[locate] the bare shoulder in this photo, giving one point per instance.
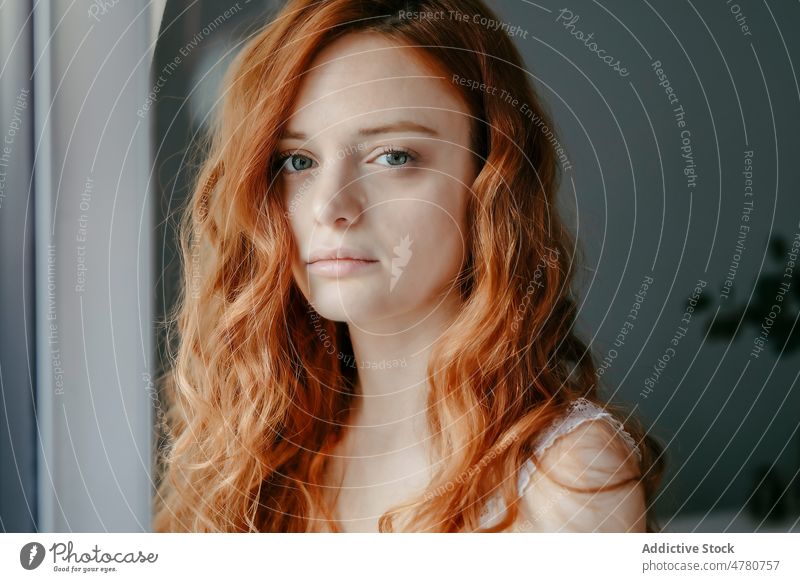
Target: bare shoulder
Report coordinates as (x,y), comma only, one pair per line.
(593,454)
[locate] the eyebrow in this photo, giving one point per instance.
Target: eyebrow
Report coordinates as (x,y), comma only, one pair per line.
(396,127)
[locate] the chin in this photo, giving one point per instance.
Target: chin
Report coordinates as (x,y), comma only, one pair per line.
(337,304)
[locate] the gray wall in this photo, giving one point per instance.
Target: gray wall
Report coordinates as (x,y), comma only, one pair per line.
(723,413)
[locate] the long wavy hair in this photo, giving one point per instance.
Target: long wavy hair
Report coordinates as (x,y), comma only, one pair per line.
(256,401)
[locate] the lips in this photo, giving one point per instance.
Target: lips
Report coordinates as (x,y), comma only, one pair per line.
(340,254)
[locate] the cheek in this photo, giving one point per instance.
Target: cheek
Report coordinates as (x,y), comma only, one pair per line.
(441,236)
(300,234)
(446,247)
(444,225)
(427,239)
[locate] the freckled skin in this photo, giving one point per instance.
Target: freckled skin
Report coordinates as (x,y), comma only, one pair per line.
(412,212)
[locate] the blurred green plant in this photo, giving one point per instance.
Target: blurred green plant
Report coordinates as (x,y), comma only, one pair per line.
(744,316)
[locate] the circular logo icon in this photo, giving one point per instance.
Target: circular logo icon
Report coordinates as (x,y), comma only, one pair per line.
(31,555)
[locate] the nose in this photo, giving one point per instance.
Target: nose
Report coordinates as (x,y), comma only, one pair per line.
(337,197)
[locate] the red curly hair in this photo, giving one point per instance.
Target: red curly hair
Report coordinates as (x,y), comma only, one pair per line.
(255,402)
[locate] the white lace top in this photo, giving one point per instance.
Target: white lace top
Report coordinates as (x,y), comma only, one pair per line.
(579,411)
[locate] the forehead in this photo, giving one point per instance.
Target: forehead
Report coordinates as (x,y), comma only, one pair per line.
(363,79)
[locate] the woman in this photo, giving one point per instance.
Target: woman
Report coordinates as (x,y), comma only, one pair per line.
(375,332)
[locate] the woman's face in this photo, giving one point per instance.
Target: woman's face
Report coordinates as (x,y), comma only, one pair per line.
(378,161)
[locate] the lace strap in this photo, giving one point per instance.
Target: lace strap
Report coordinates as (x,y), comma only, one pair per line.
(580,410)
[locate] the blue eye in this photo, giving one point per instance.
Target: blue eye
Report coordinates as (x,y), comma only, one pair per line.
(396,157)
(294,163)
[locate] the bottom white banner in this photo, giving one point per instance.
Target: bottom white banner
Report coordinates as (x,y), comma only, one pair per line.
(499,556)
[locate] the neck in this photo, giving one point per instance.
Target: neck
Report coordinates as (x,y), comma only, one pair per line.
(390,403)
